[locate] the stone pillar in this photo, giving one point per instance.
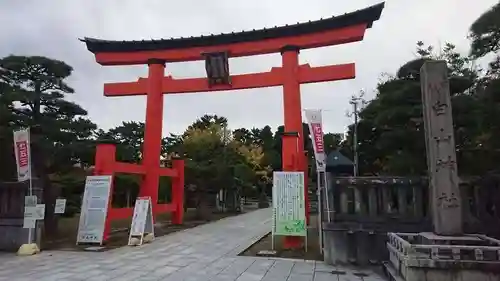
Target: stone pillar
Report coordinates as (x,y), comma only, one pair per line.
(446,206)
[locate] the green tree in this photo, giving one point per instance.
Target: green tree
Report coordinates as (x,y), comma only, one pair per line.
(485,32)
(332,141)
(207,120)
(37,88)
(485,40)
(206,166)
(8,171)
(390,131)
(219,159)
(130,138)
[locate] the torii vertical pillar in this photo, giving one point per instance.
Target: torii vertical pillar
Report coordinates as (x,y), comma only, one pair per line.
(293,156)
(105,157)
(153,130)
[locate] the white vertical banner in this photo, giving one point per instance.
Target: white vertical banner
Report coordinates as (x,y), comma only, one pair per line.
(314,121)
(23,154)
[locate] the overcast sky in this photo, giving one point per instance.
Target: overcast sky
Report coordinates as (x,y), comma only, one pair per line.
(52,27)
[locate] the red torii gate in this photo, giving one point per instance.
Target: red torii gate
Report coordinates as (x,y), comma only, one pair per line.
(215,50)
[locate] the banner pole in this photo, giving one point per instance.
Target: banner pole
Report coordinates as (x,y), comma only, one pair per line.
(320,209)
(30,230)
(314,122)
(328,212)
(22,151)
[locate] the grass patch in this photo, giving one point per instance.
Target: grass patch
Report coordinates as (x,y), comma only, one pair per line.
(313,250)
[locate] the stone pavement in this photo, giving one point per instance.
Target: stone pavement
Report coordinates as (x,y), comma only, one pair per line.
(204,253)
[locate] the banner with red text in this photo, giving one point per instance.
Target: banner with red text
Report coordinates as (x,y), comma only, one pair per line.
(22,151)
(314,120)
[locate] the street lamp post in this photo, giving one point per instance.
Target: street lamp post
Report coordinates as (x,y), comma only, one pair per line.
(357,102)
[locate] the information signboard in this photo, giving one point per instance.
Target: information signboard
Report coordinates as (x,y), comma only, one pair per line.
(289,214)
(60,207)
(30,212)
(142,221)
(94,209)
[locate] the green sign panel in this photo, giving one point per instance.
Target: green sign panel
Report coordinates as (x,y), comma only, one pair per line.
(289,212)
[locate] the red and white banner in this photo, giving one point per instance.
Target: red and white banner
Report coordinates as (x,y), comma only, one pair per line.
(22,151)
(314,120)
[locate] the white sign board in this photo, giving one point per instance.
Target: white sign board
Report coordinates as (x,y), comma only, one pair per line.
(94,209)
(32,214)
(60,207)
(29,220)
(289,213)
(142,221)
(29,223)
(39,211)
(22,152)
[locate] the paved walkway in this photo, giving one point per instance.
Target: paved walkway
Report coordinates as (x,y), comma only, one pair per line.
(204,253)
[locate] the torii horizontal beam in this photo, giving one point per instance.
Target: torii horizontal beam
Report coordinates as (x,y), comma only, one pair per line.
(273,78)
(315,40)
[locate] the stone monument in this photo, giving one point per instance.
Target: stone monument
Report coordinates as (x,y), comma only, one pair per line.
(447,254)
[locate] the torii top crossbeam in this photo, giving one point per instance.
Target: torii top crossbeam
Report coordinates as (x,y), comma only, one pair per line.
(341,29)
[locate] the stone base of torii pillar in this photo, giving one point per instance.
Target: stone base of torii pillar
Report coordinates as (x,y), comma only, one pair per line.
(447,254)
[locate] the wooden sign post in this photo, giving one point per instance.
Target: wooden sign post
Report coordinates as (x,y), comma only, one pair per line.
(142,229)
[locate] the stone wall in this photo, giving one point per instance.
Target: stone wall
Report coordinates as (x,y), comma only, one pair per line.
(365,209)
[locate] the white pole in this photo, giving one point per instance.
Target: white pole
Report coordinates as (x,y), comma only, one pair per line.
(328,215)
(355,142)
(307,236)
(274,194)
(355,100)
(30,230)
(320,209)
